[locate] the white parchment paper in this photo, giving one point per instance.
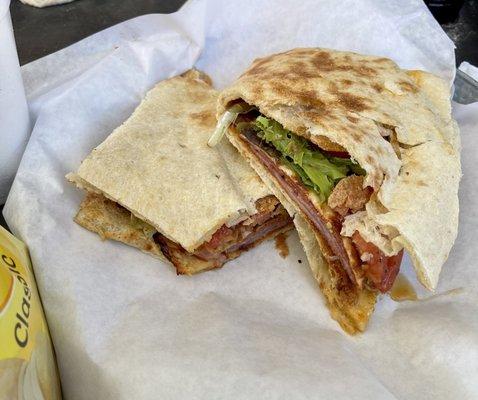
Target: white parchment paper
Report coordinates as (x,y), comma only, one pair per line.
(126,327)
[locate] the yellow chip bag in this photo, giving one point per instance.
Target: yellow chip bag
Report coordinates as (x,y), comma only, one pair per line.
(27,363)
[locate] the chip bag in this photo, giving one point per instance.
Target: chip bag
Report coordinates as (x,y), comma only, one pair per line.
(27,364)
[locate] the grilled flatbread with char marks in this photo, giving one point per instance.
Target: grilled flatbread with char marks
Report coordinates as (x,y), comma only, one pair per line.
(365,154)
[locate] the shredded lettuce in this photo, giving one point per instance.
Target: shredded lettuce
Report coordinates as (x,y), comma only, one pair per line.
(139,224)
(317,170)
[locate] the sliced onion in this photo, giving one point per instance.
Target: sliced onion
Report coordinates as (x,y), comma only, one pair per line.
(226,120)
(223,124)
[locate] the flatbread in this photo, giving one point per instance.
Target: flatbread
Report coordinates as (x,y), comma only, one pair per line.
(424,207)
(158,166)
(346,97)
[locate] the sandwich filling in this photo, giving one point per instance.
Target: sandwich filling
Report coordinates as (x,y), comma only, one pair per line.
(112,221)
(229,242)
(326,185)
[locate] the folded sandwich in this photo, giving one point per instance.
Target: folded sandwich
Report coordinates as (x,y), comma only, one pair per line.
(365,155)
(155,184)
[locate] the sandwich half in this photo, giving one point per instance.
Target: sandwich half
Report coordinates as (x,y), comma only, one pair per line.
(363,154)
(155,184)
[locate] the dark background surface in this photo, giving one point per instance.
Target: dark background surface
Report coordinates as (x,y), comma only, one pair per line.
(41,31)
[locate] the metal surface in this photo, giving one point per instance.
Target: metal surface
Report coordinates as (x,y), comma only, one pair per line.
(466,88)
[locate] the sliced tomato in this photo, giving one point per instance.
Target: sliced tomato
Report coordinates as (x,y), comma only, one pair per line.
(380,269)
(339,154)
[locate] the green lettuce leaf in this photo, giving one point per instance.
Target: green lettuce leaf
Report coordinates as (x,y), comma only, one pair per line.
(317,170)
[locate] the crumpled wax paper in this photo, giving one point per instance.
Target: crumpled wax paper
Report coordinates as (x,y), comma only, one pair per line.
(125,326)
